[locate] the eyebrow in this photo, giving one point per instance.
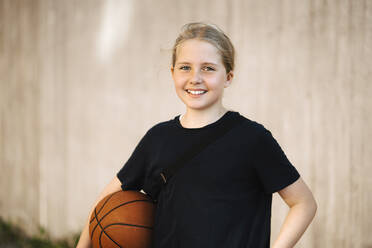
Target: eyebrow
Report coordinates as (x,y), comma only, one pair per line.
(204,63)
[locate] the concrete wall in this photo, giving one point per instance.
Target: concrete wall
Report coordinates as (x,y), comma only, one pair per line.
(81,81)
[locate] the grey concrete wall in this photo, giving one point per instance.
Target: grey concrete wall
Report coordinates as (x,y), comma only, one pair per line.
(81,81)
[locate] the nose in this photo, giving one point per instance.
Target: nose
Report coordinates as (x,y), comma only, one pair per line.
(196,77)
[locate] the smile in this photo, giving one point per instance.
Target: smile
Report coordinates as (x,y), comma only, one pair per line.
(196,92)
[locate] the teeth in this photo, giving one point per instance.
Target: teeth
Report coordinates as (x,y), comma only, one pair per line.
(196,92)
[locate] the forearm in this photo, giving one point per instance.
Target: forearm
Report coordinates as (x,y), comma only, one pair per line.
(113,186)
(297,220)
(84,241)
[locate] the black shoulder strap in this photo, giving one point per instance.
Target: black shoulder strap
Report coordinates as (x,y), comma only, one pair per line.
(182,160)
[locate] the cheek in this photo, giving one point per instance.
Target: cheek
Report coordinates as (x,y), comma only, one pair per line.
(179,79)
(215,82)
(178,83)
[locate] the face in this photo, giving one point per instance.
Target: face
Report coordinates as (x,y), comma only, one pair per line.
(199,66)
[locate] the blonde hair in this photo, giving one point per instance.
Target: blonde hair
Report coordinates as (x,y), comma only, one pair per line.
(210,33)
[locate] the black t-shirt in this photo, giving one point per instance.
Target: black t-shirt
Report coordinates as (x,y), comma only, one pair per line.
(220,198)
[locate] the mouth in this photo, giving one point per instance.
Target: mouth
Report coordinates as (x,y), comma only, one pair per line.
(196,92)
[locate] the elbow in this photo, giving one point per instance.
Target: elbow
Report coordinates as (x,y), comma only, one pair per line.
(312,206)
(309,206)
(315,206)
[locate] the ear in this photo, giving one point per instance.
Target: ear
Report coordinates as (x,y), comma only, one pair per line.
(229,78)
(172,71)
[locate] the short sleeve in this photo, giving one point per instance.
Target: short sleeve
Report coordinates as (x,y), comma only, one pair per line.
(274,169)
(132,174)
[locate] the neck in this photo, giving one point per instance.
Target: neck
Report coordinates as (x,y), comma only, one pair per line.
(198,118)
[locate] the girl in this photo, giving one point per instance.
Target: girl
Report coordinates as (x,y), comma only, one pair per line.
(222,197)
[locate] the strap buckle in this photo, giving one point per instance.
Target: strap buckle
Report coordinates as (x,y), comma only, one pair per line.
(163,177)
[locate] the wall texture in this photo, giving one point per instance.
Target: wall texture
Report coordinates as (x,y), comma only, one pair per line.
(82,81)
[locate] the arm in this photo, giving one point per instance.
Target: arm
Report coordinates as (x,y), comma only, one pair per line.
(113,186)
(302,211)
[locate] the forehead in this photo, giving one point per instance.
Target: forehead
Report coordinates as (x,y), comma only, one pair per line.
(194,51)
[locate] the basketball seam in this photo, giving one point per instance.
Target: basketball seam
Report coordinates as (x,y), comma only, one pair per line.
(100,237)
(104,204)
(125,224)
(120,224)
(99,220)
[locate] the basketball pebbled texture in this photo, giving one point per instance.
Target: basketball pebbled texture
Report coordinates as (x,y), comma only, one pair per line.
(123,219)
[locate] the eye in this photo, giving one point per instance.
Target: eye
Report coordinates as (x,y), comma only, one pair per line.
(184,68)
(208,68)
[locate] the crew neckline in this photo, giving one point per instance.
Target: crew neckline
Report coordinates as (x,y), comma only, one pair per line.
(215,123)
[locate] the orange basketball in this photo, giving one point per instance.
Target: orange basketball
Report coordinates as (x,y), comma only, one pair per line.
(123,219)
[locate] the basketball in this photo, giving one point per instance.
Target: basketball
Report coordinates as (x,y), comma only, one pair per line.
(123,219)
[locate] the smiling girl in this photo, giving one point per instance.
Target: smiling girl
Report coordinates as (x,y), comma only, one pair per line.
(222,197)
